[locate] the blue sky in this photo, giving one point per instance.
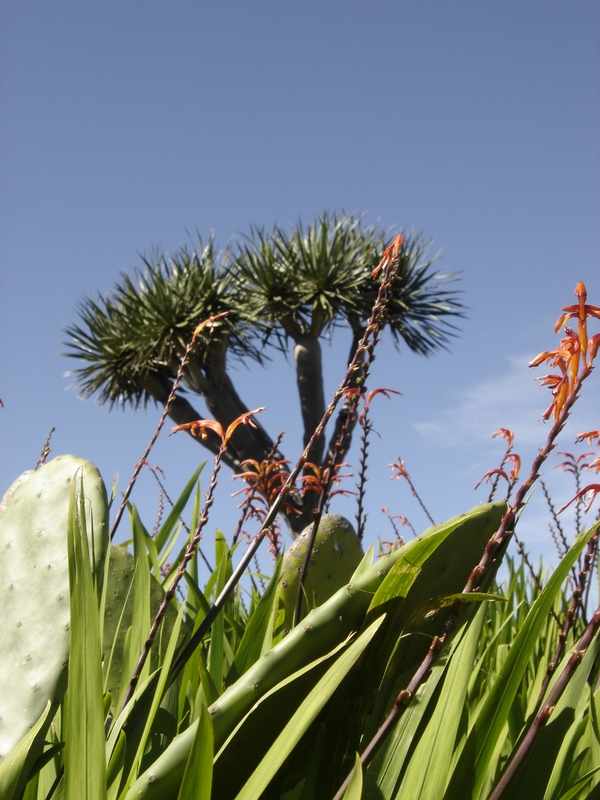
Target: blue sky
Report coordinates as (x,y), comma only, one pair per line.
(130,126)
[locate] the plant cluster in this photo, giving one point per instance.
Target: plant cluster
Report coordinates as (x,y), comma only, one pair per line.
(271,290)
(418,676)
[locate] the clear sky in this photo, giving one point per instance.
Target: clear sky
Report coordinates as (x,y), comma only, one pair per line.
(130,126)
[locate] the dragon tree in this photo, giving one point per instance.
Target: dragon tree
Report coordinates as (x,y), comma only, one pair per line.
(281,290)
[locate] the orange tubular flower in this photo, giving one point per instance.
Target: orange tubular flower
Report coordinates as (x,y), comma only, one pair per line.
(385,392)
(389,254)
(488,476)
(590,436)
(593,489)
(200,427)
(581,312)
(567,358)
(507,434)
(594,346)
(400,470)
(210,322)
(516,460)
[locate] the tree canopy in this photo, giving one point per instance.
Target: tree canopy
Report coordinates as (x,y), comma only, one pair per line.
(281,290)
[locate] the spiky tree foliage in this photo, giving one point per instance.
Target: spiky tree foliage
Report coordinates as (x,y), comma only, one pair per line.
(279,289)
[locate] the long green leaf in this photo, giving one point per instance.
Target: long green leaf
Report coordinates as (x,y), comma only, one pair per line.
(16,767)
(85,765)
(215,658)
(197,779)
(354,790)
(141,619)
(385,771)
(251,646)
(158,694)
(304,716)
(428,771)
(471,770)
(169,524)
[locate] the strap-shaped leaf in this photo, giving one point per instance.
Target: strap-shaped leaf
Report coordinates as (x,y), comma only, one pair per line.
(304,716)
(471,770)
(85,758)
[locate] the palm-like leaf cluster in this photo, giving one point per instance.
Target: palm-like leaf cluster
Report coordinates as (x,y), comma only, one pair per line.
(304,283)
(143,326)
(300,284)
(275,287)
(290,285)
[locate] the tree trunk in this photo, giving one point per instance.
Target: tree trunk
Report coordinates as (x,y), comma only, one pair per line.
(309,375)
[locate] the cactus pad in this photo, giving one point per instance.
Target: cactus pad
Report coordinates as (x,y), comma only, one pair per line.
(34,588)
(118,617)
(336,554)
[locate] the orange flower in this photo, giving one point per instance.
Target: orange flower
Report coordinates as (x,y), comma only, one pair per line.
(516,460)
(389,254)
(514,473)
(210,322)
(400,470)
(385,392)
(590,436)
(593,489)
(488,476)
(507,434)
(594,346)
(581,312)
(200,427)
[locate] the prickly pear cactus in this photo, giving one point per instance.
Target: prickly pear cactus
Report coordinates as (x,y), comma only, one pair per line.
(34,588)
(336,554)
(118,617)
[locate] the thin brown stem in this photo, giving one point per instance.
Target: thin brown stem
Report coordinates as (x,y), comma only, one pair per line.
(548,708)
(170,593)
(389,266)
(501,536)
(181,519)
(155,435)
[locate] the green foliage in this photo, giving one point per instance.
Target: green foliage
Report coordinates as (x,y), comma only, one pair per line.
(240,720)
(412,675)
(34,576)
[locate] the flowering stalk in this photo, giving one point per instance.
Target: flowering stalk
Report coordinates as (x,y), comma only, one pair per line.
(196,428)
(387,266)
(138,467)
(264,477)
(565,392)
